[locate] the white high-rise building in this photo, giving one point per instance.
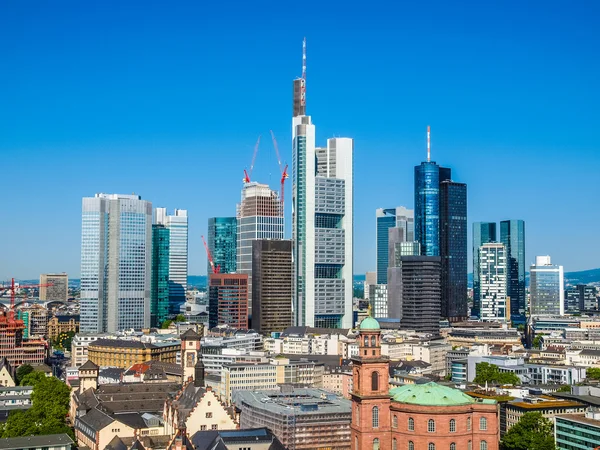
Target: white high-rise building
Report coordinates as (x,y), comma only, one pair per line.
(493,272)
(177,225)
(116,255)
(547,288)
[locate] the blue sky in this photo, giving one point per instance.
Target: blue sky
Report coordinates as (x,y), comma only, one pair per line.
(166,99)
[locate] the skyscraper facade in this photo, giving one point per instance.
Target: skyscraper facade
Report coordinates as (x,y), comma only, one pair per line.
(483,233)
(547,288)
(453,249)
(493,282)
(159,295)
(177,224)
(399,217)
(427,207)
(512,235)
(228,300)
(222,243)
(116,255)
(259,216)
(59,289)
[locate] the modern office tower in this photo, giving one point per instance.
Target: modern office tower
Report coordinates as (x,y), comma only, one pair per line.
(59,289)
(370,279)
(572,300)
(397,249)
(177,225)
(453,249)
(228,300)
(116,256)
(159,295)
(483,233)
(322,227)
(547,288)
(512,235)
(259,216)
(421,293)
(222,243)
(588,301)
(492,281)
(378,299)
(271,285)
(399,217)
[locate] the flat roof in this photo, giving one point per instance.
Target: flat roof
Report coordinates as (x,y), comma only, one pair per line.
(48,440)
(546,404)
(297,402)
(579,418)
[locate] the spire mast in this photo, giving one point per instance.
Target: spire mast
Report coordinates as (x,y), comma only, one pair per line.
(428,143)
(304,59)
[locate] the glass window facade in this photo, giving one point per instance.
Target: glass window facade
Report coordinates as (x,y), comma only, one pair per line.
(483,233)
(512,235)
(222,243)
(427,207)
(159,297)
(384,223)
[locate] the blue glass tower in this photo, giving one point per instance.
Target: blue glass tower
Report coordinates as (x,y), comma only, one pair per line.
(222,243)
(427,207)
(386,219)
(483,233)
(159,295)
(512,235)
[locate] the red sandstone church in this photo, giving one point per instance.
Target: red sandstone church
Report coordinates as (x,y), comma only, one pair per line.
(414,416)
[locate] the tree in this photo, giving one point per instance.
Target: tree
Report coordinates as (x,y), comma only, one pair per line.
(486,372)
(166,324)
(521,328)
(33,378)
(593,373)
(537,341)
(564,388)
(180,318)
(532,432)
(63,341)
(22,370)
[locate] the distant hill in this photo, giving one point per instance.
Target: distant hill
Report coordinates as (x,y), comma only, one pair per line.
(583,277)
(197,281)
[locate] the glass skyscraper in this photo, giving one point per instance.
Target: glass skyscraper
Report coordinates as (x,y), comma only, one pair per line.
(427,207)
(547,288)
(222,243)
(399,217)
(512,235)
(492,277)
(116,257)
(483,233)
(159,297)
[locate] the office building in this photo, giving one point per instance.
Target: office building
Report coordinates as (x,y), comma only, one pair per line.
(228,300)
(59,289)
(577,431)
(124,354)
(222,243)
(453,249)
(512,235)
(259,216)
(399,217)
(159,295)
(397,249)
(116,257)
(370,278)
(483,233)
(177,224)
(493,279)
(547,288)
(580,298)
(378,299)
(271,285)
(322,223)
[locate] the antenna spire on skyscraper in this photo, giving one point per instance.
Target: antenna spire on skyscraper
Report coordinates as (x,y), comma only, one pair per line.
(428,143)
(304,59)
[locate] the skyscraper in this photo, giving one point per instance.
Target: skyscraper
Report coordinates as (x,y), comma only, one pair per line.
(116,243)
(399,217)
(512,235)
(228,300)
(453,249)
(177,225)
(547,288)
(222,243)
(259,216)
(159,295)
(483,233)
(493,282)
(59,289)
(322,223)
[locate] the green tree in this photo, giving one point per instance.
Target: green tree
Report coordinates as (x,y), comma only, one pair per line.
(486,372)
(521,328)
(537,341)
(564,388)
(33,378)
(22,370)
(166,324)
(508,378)
(532,432)
(180,318)
(593,373)
(63,341)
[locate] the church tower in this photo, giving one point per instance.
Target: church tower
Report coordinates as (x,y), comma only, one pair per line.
(190,352)
(370,428)
(88,376)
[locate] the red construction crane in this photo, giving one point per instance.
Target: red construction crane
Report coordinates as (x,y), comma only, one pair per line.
(246,174)
(216,269)
(283,170)
(13,290)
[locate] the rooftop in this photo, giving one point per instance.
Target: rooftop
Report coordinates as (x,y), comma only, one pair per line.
(295,402)
(48,440)
(546,404)
(432,394)
(579,418)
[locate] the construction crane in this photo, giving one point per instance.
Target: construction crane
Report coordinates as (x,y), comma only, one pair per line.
(283,170)
(13,290)
(215,269)
(246,174)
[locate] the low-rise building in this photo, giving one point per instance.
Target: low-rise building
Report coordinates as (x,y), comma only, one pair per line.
(125,353)
(14,398)
(339,381)
(53,441)
(467,337)
(7,373)
(79,347)
(577,431)
(547,406)
(62,324)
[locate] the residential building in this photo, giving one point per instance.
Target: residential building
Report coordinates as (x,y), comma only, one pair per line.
(577,430)
(159,296)
(59,289)
(339,381)
(413,416)
(547,406)
(14,398)
(62,324)
(53,441)
(483,233)
(492,282)
(434,353)
(272,285)
(247,439)
(547,288)
(302,419)
(399,217)
(512,235)
(116,257)
(228,300)
(378,299)
(124,354)
(7,373)
(222,243)
(259,216)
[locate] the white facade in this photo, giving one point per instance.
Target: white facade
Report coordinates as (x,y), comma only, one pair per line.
(547,288)
(370,278)
(177,225)
(493,273)
(378,298)
(116,255)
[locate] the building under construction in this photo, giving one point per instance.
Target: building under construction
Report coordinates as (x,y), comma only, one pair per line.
(14,348)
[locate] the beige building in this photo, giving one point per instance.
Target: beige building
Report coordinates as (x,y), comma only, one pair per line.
(548,406)
(339,381)
(59,289)
(62,324)
(7,375)
(124,354)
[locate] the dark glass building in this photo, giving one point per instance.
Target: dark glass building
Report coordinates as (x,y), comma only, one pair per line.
(483,233)
(386,219)
(427,207)
(159,295)
(222,243)
(512,235)
(453,249)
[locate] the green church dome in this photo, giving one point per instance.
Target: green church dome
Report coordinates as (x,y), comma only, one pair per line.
(369,323)
(430,394)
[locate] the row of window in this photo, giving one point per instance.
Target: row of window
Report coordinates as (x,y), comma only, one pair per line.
(411,422)
(431,446)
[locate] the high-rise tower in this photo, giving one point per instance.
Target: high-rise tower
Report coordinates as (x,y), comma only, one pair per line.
(222,243)
(399,217)
(483,233)
(512,235)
